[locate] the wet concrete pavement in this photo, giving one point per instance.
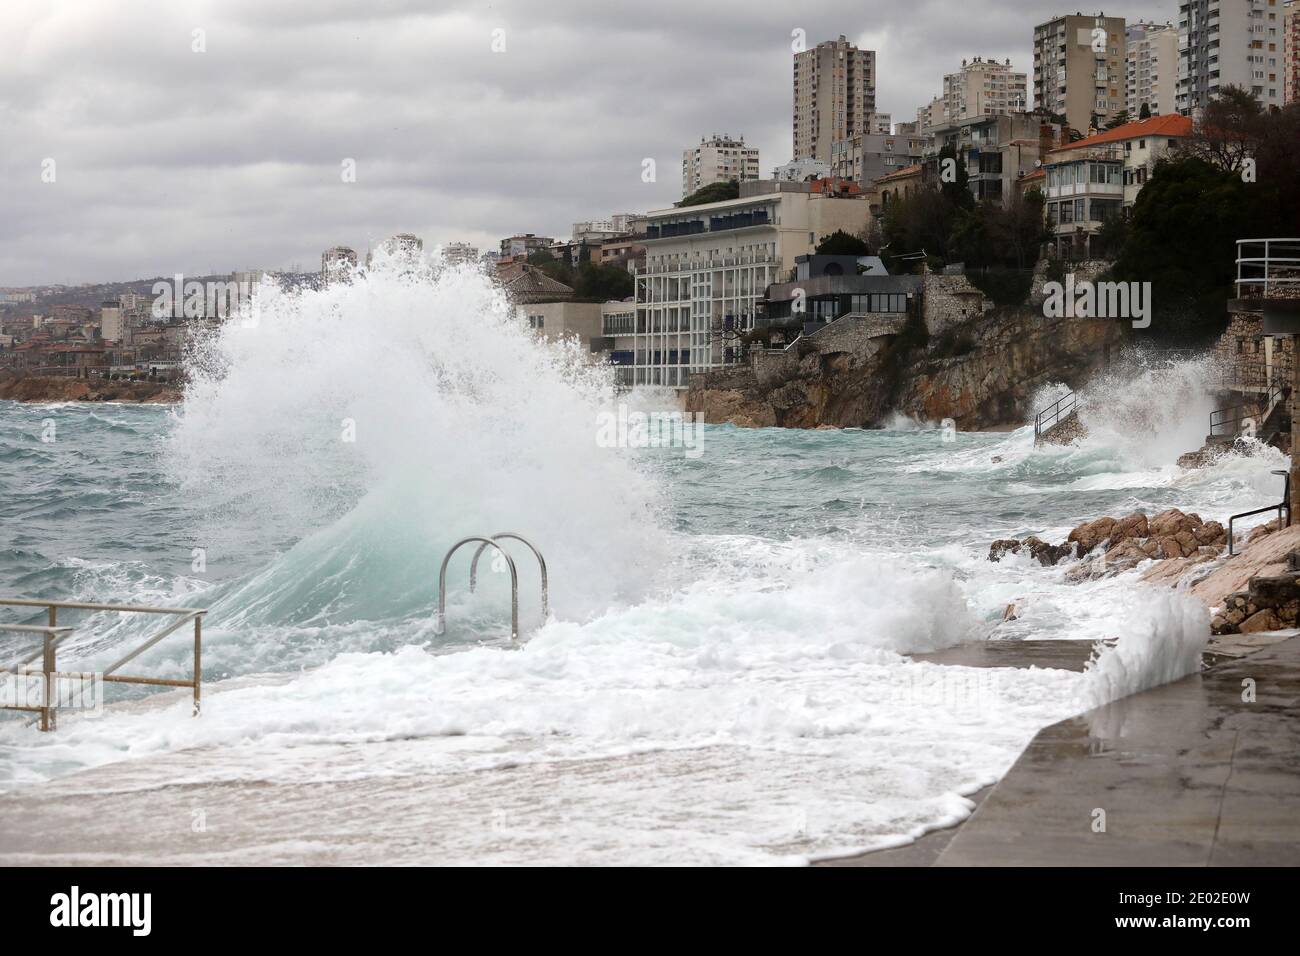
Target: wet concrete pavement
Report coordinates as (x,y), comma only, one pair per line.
(1201,772)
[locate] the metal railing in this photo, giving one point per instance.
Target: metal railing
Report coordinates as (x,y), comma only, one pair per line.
(541,564)
(1054,414)
(53,635)
(473,577)
(1283,505)
(1229,420)
(1265,265)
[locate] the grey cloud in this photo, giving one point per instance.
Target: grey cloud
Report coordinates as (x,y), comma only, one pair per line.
(174,161)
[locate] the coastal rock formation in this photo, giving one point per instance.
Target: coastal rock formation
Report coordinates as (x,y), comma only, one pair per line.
(1269,603)
(1120,544)
(34,388)
(980,373)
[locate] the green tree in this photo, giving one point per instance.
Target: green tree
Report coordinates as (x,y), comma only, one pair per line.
(1145,111)
(1120,119)
(955,190)
(1181,239)
(557,269)
(841,243)
(602,282)
(713,192)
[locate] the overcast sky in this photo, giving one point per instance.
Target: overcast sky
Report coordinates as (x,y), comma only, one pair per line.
(167,160)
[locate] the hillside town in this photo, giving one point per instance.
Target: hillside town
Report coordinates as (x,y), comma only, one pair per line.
(671,293)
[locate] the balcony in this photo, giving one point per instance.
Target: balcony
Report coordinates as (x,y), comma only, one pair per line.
(1268,269)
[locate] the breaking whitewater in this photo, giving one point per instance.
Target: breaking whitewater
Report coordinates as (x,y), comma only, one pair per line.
(723,678)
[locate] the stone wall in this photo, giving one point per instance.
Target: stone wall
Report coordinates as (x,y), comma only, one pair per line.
(951,300)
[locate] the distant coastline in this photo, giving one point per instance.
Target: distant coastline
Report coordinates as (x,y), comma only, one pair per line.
(52,388)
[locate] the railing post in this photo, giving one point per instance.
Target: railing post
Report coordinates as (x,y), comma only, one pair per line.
(47,669)
(198,659)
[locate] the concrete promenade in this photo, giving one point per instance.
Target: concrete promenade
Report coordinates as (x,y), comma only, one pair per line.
(1188,774)
(1193,773)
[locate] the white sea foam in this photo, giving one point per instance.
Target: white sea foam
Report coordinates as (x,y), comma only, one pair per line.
(1163,637)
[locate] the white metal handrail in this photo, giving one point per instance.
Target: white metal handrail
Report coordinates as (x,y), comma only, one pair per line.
(1266,264)
(54,634)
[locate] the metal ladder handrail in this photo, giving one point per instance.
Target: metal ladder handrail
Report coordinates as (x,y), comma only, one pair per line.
(1053,411)
(1283,505)
(1261,410)
(54,634)
(541,563)
(441,627)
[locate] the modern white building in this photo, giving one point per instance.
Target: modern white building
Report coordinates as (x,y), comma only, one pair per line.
(982,88)
(834,96)
(706,268)
(718,159)
(1151,75)
(1230,42)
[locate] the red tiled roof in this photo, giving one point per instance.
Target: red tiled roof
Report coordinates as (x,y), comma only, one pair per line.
(1171,125)
(905,171)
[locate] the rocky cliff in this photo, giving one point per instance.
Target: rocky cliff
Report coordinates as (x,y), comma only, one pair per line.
(980,373)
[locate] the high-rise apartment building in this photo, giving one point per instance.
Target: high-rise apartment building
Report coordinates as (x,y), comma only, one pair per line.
(1230,43)
(1079,66)
(336,263)
(931,116)
(1291,51)
(834,96)
(983,88)
(1151,77)
(718,159)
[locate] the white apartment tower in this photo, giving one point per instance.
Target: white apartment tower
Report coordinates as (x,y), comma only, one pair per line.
(1230,42)
(1079,69)
(1151,76)
(718,160)
(834,96)
(983,87)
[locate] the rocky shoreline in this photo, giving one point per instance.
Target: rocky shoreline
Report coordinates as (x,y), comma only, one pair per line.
(45,389)
(1124,543)
(982,373)
(1257,589)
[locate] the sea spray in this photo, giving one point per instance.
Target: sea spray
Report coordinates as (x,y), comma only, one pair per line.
(1143,412)
(382,419)
(1163,636)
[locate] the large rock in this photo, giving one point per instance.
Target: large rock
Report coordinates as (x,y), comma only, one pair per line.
(1263,620)
(1003,546)
(1129,527)
(1090,534)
